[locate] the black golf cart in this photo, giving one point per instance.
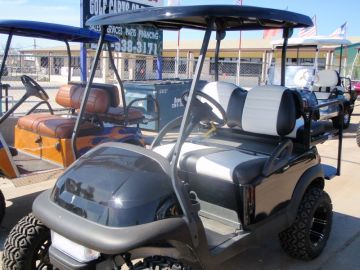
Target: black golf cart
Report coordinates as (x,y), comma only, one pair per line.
(42,142)
(241,168)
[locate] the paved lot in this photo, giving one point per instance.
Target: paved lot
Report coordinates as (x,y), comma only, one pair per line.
(344,243)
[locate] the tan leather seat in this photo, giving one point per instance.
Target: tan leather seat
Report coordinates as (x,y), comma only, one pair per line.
(58,126)
(54,126)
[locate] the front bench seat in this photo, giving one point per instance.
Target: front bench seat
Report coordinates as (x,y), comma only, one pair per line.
(62,126)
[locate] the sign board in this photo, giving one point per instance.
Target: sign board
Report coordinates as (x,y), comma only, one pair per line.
(135,39)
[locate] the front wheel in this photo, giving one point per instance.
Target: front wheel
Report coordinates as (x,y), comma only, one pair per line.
(306,238)
(27,246)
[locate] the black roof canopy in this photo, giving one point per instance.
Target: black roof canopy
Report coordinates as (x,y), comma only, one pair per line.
(226,17)
(51,31)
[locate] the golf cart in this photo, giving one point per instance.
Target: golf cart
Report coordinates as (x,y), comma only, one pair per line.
(240,169)
(45,143)
(325,84)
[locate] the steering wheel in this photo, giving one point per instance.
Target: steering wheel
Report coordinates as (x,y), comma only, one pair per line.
(33,88)
(203,111)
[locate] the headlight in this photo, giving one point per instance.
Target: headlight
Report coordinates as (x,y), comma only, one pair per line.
(73,250)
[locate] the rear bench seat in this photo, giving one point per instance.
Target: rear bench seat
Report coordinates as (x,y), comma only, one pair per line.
(61,126)
(327,81)
(103,101)
(214,172)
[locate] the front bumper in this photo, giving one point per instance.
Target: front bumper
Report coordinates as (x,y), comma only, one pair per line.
(63,262)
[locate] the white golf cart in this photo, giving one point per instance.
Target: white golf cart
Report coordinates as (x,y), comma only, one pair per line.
(326,83)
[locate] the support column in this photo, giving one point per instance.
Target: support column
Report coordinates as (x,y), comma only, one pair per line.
(149,71)
(132,68)
(105,66)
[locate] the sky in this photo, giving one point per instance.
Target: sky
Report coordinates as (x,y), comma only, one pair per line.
(330,15)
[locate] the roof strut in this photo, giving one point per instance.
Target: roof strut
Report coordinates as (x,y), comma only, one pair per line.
(69,60)
(6,53)
(179,188)
(87,92)
(112,63)
(283,55)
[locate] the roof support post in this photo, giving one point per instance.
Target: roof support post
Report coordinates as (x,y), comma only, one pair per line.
(283,55)
(87,92)
(69,60)
(2,69)
(118,78)
(185,129)
(6,53)
(340,61)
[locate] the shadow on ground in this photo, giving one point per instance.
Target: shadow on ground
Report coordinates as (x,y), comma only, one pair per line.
(269,255)
(16,209)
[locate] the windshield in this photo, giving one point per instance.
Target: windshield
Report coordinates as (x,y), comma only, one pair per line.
(295,76)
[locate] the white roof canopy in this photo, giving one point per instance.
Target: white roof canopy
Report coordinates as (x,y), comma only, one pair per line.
(319,41)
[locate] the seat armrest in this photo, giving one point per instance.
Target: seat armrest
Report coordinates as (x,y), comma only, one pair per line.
(279,157)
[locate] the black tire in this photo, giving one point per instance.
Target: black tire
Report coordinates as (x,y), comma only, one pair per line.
(26,247)
(161,263)
(306,238)
(358,135)
(347,119)
(2,206)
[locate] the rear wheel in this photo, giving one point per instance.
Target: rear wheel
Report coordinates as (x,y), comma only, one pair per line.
(27,246)
(306,238)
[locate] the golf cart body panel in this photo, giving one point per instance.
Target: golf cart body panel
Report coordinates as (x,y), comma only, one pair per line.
(47,137)
(127,197)
(231,185)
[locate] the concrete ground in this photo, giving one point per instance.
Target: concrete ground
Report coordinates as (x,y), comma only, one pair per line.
(344,243)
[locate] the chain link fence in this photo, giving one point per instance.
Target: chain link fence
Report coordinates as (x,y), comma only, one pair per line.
(55,68)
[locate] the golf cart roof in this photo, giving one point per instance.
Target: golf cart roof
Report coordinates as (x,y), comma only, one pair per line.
(227,17)
(316,41)
(50,31)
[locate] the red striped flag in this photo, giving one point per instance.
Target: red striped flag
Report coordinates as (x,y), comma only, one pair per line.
(340,32)
(270,33)
(309,31)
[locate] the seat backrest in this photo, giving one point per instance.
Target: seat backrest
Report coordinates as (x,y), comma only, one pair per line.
(70,96)
(221,92)
(326,78)
(266,110)
(111,89)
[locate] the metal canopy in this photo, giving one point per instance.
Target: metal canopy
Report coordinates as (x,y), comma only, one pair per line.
(318,41)
(226,17)
(50,31)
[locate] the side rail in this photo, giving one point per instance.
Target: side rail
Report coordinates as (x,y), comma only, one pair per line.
(308,116)
(5,87)
(38,105)
(149,100)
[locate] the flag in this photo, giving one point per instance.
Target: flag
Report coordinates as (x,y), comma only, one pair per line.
(340,32)
(270,33)
(309,31)
(238,2)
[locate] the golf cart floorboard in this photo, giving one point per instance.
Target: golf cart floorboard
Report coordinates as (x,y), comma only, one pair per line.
(28,164)
(217,232)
